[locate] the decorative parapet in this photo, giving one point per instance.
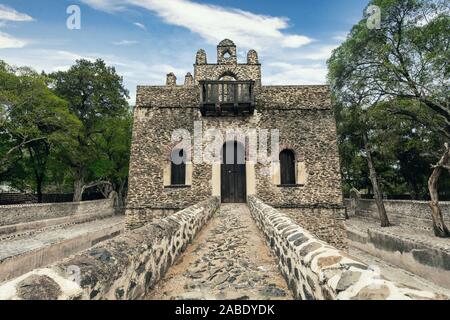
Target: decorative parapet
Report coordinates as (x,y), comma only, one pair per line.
(126,267)
(315,270)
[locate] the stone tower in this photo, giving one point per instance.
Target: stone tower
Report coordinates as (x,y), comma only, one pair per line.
(303,177)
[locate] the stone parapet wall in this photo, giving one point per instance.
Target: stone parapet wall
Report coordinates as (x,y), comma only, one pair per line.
(126,267)
(168,97)
(315,270)
(293,97)
(416,214)
(24,213)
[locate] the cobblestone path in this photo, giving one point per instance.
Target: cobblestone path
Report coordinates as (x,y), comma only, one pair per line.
(228,260)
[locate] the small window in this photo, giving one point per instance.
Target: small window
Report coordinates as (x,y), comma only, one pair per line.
(227,55)
(178,170)
(287,167)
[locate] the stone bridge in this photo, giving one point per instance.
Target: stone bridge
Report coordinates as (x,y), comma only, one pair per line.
(212,251)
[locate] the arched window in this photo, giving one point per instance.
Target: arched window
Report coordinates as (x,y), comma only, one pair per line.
(178,168)
(287,167)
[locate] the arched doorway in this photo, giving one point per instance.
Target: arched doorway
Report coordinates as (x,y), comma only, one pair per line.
(233,176)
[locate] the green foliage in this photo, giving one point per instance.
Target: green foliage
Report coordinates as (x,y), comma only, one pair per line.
(97,97)
(35,122)
(392,84)
(64,127)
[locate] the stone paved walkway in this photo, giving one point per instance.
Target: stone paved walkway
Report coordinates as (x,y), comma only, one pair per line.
(228,260)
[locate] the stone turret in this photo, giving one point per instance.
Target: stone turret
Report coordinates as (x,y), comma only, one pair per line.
(188,79)
(226,52)
(171,80)
(252,57)
(201,57)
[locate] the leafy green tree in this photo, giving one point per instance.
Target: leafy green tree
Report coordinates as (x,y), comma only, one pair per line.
(95,93)
(404,65)
(355,131)
(113,148)
(35,122)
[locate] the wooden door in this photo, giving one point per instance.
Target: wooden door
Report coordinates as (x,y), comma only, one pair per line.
(233,175)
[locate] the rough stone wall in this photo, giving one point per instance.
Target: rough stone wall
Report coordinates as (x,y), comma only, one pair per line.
(327,224)
(312,136)
(240,71)
(416,214)
(126,267)
(148,198)
(313,144)
(167,97)
(302,114)
(22,213)
(294,97)
(315,270)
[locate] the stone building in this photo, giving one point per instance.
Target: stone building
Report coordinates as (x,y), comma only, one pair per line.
(302,178)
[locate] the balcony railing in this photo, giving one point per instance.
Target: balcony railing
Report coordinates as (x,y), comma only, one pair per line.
(227,98)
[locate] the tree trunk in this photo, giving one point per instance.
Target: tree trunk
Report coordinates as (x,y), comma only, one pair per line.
(440,230)
(39,189)
(376,189)
(78,185)
(78,193)
(121,193)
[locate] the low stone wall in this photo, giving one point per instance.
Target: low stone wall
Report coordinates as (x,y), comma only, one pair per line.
(415,214)
(126,267)
(24,213)
(315,270)
(419,255)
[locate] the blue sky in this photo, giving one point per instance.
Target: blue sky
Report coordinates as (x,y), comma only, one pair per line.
(146,39)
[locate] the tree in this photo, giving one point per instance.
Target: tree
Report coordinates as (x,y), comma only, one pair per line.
(113,148)
(439,226)
(405,63)
(407,59)
(95,92)
(35,121)
(354,128)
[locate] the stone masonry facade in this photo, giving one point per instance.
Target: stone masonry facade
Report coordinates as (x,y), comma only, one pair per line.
(302,114)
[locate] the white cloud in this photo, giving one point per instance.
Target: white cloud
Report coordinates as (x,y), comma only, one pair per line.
(282,73)
(340,37)
(125,42)
(320,53)
(214,23)
(134,72)
(140,25)
(9,42)
(10,14)
(106,5)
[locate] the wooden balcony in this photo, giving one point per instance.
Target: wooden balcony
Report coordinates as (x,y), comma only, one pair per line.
(227,98)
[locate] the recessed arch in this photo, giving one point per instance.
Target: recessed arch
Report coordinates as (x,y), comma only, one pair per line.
(228,76)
